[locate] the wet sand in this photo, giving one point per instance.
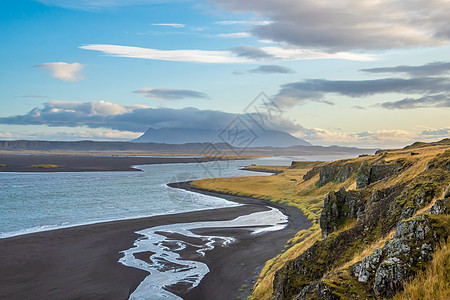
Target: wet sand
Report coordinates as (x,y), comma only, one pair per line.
(82,262)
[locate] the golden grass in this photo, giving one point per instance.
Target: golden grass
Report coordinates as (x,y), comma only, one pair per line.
(289,188)
(420,161)
(368,250)
(45,166)
(304,239)
(268,169)
(2,165)
(434,282)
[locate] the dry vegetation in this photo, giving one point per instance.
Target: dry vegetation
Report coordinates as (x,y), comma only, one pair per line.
(434,282)
(45,166)
(289,188)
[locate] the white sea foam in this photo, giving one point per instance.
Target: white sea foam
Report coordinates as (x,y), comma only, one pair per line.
(166,266)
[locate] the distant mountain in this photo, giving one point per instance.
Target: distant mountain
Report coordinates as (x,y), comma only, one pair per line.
(114,148)
(268,138)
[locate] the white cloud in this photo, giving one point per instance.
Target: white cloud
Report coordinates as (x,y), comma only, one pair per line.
(227,56)
(235,35)
(97,108)
(201,56)
(87,134)
(174,25)
(170,94)
(94,135)
(349,24)
(390,138)
(6,135)
(64,71)
(294,53)
(266,41)
(133,118)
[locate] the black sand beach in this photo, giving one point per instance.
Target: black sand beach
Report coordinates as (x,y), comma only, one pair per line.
(84,163)
(82,262)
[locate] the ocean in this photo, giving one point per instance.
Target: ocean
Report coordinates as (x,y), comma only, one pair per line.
(33,202)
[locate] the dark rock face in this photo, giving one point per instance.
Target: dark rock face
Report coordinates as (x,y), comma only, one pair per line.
(381,171)
(378,209)
(377,195)
(365,270)
(368,174)
(317,290)
(442,161)
(440,207)
(363,175)
(338,207)
(411,247)
(285,283)
(331,173)
(346,171)
(311,173)
(327,174)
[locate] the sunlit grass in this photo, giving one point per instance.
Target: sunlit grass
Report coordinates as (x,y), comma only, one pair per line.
(434,282)
(304,239)
(45,166)
(289,188)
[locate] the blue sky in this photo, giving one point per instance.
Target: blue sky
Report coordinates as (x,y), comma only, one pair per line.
(109,69)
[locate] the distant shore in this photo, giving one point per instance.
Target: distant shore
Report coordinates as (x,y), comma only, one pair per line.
(82,262)
(84,163)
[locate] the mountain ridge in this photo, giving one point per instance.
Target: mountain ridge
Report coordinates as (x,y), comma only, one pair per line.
(257,138)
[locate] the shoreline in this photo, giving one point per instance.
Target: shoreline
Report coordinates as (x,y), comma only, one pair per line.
(85,163)
(82,261)
(220,261)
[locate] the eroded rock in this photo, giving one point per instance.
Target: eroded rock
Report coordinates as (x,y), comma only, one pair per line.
(407,252)
(338,207)
(317,290)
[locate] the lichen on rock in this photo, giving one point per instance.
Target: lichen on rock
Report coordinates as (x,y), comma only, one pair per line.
(338,207)
(400,259)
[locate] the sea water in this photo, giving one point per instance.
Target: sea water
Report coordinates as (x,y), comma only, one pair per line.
(32,202)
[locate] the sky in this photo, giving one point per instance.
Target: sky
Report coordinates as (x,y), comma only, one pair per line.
(370,73)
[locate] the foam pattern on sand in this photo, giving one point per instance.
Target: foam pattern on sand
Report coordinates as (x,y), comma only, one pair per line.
(163,245)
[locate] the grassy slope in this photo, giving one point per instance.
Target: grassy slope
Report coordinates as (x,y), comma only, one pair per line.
(289,188)
(434,282)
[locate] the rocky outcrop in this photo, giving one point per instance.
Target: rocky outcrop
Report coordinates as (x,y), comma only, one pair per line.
(317,290)
(370,173)
(380,194)
(381,171)
(327,174)
(380,207)
(363,175)
(295,275)
(440,207)
(337,173)
(311,173)
(338,207)
(440,162)
(365,270)
(411,247)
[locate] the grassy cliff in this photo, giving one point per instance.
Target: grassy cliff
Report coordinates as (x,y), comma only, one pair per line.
(380,225)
